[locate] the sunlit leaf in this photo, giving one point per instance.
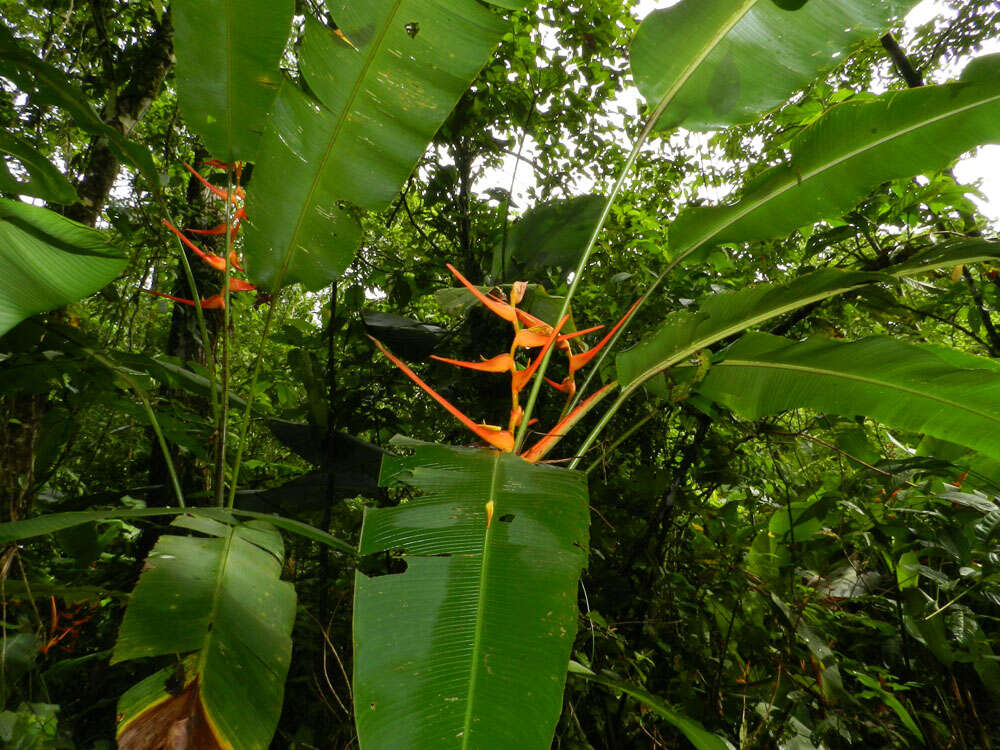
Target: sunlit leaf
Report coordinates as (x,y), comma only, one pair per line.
(925,389)
(714,63)
(854,147)
(49,261)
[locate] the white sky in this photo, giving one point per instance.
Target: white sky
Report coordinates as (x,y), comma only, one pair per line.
(981,170)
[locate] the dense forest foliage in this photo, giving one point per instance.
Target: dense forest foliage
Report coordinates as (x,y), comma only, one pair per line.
(406,374)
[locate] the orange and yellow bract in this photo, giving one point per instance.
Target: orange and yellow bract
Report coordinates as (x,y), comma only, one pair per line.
(537,335)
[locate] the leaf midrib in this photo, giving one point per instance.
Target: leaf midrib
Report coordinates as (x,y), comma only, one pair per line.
(695,64)
(331,145)
(480,606)
(735,328)
(821,371)
(826,167)
(216,597)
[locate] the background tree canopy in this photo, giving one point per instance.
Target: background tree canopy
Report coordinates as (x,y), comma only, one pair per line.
(759,508)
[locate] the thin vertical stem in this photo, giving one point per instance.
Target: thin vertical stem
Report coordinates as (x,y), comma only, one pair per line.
(198,313)
(222,426)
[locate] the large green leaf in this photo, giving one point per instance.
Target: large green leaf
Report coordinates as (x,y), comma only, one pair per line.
(852,148)
(548,237)
(713,63)
(219,597)
(468,647)
(720,316)
(48,261)
(49,524)
(377,106)
(44,180)
(724,315)
(45,84)
(926,389)
(227,69)
(700,738)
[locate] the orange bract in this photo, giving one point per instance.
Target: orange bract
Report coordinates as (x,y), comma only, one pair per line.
(215,261)
(538,334)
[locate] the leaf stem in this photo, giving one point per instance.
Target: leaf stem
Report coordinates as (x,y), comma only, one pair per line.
(647,129)
(198,312)
(222,426)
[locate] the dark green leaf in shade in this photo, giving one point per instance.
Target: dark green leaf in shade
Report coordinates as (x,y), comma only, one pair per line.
(548,238)
(49,524)
(468,647)
(49,261)
(921,388)
(714,63)
(700,738)
(378,103)
(409,339)
(227,69)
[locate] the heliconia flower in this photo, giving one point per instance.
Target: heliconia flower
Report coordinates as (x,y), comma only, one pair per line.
(532,338)
(500,363)
(517,292)
(548,442)
(215,302)
(215,261)
(579,361)
(520,378)
(220,229)
(238,192)
(238,285)
(498,438)
(505,311)
(567,386)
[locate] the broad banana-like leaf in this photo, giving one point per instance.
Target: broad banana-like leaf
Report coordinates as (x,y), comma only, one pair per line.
(852,148)
(468,648)
(45,84)
(219,599)
(44,180)
(227,69)
(49,261)
(720,316)
(550,236)
(713,63)
(947,255)
(700,738)
(926,389)
(382,91)
(49,524)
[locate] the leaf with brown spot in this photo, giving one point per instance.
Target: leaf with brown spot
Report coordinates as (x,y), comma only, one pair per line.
(217,598)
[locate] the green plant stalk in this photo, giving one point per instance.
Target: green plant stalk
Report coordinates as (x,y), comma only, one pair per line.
(198,312)
(153,421)
(647,129)
(222,425)
(253,378)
